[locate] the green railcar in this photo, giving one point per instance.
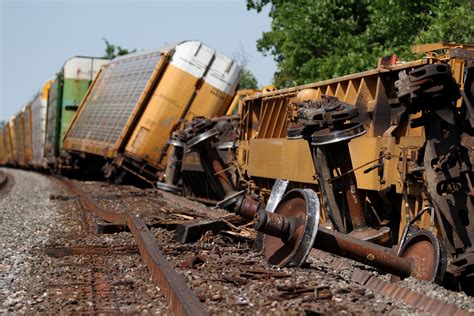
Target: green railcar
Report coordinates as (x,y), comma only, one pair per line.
(64,98)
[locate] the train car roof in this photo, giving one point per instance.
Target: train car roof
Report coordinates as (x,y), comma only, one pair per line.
(82,67)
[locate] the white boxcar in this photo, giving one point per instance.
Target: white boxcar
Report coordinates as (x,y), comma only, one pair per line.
(38,114)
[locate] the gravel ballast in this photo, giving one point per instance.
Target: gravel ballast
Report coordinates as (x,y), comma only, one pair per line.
(53,261)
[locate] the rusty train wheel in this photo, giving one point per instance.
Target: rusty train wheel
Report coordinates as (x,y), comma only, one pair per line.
(303,207)
(428,254)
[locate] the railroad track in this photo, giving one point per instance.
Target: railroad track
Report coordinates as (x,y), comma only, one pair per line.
(396,291)
(392,290)
(363,277)
(181,299)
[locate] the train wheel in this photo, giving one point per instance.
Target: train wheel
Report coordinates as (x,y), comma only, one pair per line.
(303,207)
(428,254)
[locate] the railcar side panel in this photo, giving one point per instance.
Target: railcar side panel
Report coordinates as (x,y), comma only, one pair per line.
(38,114)
(28,132)
(20,138)
(8,143)
(114,99)
(13,140)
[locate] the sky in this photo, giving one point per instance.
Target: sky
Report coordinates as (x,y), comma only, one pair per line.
(37,36)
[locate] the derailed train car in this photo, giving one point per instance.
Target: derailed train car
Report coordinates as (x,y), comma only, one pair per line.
(137,100)
(389,152)
(64,97)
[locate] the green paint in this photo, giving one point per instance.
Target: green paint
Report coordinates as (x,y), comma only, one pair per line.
(65,98)
(73,93)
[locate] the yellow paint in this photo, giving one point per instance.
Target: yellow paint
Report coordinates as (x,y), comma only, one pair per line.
(279,158)
(164,110)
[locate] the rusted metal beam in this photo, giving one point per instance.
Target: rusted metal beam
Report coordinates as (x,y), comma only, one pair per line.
(395,291)
(193,230)
(180,297)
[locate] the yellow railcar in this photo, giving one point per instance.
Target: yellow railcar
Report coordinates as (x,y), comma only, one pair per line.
(137,100)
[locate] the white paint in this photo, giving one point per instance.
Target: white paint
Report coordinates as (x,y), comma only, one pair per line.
(85,68)
(224,74)
(192,57)
(195,57)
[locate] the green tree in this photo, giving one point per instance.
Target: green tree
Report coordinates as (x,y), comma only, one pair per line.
(112,51)
(315,40)
(247,80)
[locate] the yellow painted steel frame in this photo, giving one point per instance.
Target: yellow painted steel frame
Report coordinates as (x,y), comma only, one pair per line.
(265,153)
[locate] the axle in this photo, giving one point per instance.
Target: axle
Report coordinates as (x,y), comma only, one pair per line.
(337,243)
(292,230)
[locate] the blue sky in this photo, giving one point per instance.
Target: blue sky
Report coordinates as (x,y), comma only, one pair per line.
(38,36)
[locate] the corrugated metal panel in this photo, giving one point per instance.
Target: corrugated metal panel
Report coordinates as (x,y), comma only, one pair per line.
(52,119)
(112,101)
(28,134)
(8,143)
(38,114)
(20,138)
(13,140)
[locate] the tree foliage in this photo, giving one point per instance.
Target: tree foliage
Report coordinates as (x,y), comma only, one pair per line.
(320,39)
(247,80)
(112,51)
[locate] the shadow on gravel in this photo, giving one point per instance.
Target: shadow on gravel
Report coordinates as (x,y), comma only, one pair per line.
(59,252)
(6,186)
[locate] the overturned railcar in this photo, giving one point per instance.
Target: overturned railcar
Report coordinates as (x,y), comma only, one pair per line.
(389,152)
(137,100)
(408,162)
(64,97)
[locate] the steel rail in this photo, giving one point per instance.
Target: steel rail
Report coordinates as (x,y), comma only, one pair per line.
(399,293)
(181,299)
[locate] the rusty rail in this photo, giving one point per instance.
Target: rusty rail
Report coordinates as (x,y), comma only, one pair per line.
(395,291)
(180,297)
